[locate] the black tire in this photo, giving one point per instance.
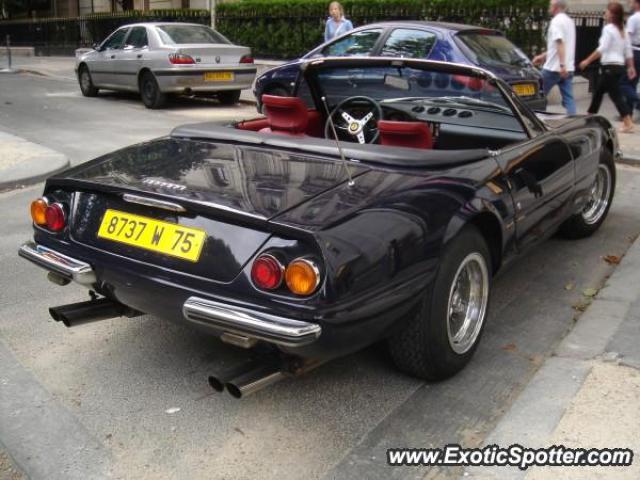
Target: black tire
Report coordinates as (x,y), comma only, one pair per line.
(423,348)
(150,92)
(588,221)
(229,97)
(86,83)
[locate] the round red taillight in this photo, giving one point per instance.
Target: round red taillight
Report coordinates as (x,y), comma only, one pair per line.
(54,215)
(266,272)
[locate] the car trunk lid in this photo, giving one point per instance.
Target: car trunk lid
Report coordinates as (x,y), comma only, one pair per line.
(215,54)
(226,191)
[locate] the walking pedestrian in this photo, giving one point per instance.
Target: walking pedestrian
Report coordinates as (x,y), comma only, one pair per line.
(614,52)
(559,58)
(336,23)
(630,86)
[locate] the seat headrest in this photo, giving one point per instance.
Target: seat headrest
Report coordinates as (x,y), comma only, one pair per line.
(286,113)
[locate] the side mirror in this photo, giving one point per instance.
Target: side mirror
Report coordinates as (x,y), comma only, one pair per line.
(96,46)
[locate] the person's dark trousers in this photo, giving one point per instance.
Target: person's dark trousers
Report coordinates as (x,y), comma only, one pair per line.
(609,82)
(629,88)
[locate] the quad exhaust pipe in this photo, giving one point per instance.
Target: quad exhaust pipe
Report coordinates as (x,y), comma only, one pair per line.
(251,377)
(93,310)
(246,380)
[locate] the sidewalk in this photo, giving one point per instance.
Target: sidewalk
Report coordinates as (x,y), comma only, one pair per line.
(25,163)
(587,395)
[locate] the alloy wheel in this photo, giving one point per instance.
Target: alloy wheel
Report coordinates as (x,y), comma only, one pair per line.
(468,300)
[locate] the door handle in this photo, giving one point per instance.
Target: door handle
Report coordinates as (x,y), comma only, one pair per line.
(139,55)
(113,56)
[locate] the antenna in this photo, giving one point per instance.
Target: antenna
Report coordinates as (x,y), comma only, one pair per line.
(335,136)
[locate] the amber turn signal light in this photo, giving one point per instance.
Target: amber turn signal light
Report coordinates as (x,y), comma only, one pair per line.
(302,276)
(38,211)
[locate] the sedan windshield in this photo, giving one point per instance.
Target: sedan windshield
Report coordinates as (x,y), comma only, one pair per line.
(185,34)
(391,84)
(493,49)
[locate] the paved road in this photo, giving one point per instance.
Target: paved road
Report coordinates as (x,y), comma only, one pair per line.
(54,112)
(98,395)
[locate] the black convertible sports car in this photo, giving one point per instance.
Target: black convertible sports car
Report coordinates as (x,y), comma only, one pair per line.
(280,238)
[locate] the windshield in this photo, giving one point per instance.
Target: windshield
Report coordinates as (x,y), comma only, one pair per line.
(390,84)
(493,49)
(185,34)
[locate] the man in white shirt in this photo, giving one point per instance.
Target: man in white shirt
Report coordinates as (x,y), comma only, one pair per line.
(629,87)
(559,59)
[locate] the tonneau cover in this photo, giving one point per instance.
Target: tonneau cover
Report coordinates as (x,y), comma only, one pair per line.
(393,156)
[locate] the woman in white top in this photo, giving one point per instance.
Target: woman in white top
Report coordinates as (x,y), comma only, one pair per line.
(614,52)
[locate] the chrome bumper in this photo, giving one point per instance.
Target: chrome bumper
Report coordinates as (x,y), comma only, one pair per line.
(70,268)
(251,323)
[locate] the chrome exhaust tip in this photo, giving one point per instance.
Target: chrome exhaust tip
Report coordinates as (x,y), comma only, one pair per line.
(216,383)
(254,381)
(94,310)
(219,381)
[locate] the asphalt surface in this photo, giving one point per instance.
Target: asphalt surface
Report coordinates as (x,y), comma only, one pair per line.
(99,395)
(53,112)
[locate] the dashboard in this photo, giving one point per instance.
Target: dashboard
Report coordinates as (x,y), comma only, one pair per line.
(457,127)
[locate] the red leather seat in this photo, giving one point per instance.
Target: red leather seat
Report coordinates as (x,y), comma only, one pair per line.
(405,134)
(286,115)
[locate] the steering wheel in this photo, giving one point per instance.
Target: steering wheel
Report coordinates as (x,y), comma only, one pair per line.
(355,119)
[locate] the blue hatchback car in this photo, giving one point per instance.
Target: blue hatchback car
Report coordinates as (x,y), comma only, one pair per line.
(448,42)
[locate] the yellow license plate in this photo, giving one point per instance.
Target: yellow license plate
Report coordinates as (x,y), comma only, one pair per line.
(218,77)
(524,89)
(150,234)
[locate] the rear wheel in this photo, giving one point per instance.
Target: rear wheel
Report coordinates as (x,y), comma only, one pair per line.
(150,92)
(230,97)
(442,337)
(595,210)
(86,83)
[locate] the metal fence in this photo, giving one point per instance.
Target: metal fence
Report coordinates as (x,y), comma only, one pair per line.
(61,36)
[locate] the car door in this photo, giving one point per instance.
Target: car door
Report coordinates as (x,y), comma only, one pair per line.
(110,51)
(100,64)
(408,43)
(540,173)
(129,61)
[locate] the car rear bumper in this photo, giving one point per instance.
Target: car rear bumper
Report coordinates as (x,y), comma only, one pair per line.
(223,317)
(67,267)
(181,79)
(295,329)
(254,324)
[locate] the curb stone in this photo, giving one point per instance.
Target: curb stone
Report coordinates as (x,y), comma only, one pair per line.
(604,329)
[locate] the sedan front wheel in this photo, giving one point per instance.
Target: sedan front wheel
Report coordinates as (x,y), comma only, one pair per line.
(440,339)
(86,83)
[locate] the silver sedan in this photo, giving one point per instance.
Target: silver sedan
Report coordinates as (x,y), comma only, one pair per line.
(156,59)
